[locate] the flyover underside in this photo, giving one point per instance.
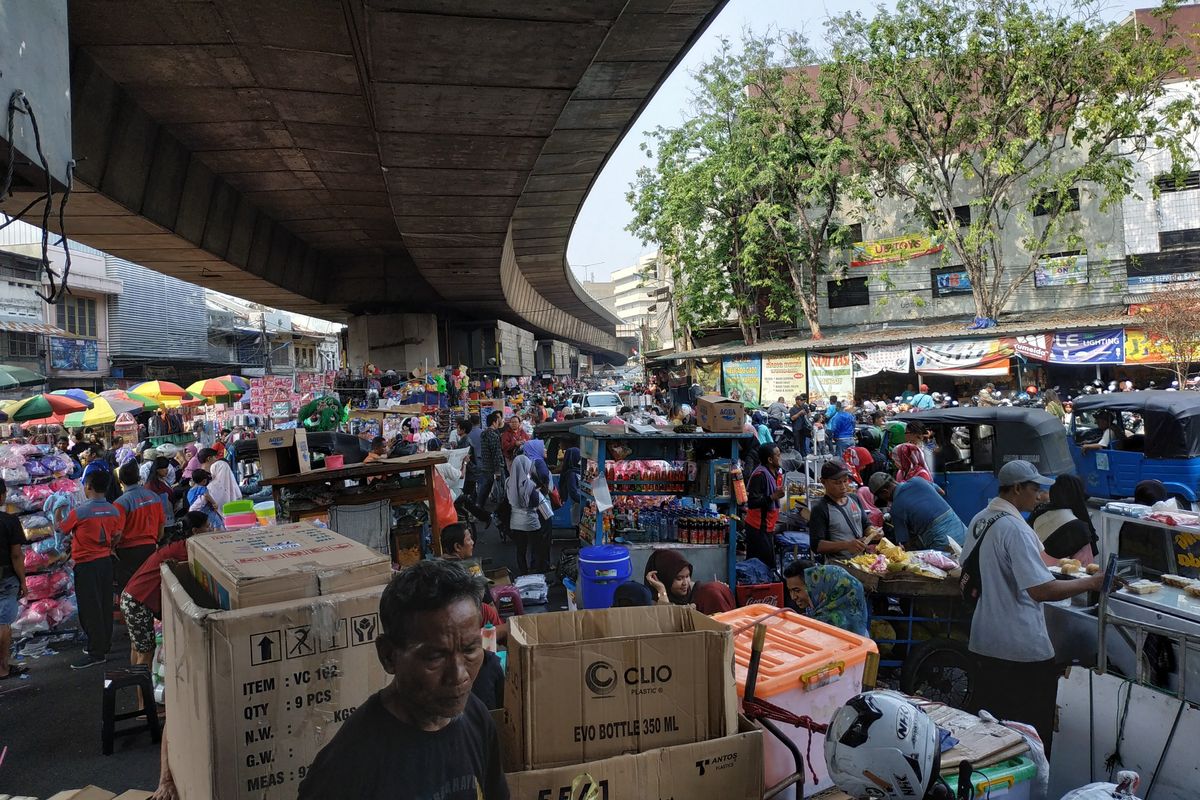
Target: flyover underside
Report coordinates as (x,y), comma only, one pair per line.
(368,156)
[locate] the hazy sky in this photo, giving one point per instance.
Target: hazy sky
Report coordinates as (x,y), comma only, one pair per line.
(599,243)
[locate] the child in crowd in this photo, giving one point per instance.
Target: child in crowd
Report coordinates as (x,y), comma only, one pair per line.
(200,499)
(819,437)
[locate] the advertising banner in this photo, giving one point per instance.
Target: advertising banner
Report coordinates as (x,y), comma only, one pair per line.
(743,379)
(1088,347)
(709,377)
(1142,348)
(784,376)
(874,360)
(978,357)
(1061,271)
(829,375)
(897,248)
(1036,346)
(950,282)
(1160,283)
(79,355)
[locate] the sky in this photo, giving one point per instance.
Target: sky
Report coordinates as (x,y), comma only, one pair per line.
(599,243)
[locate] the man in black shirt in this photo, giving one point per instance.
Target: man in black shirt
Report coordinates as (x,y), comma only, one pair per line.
(12,585)
(425,735)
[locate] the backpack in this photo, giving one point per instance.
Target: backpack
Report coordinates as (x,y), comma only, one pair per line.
(970,584)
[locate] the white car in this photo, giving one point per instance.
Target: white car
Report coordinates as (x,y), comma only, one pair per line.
(598,404)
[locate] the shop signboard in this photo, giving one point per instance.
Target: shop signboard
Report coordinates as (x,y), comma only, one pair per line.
(784,376)
(897,248)
(743,379)
(1160,283)
(948,282)
(874,360)
(709,377)
(77,355)
(1069,270)
(1036,346)
(1088,347)
(829,375)
(969,357)
(1142,348)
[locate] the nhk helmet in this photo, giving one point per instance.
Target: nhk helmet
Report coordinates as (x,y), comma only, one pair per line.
(882,747)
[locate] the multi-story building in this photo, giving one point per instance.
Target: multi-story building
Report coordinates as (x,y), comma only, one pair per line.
(158,325)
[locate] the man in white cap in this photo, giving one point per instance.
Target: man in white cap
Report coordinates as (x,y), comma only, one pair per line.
(1017,678)
(148,456)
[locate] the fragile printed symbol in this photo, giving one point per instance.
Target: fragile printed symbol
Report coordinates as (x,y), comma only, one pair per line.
(364,628)
(300,642)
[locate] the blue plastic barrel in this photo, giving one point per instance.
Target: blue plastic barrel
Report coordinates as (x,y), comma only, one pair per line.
(602,568)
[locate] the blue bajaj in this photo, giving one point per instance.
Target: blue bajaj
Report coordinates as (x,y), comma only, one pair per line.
(1118,440)
(970,445)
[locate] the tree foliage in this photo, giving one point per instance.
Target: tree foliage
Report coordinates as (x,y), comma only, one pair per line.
(1174,321)
(1008,106)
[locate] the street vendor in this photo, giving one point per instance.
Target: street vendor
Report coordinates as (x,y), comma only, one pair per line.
(921,518)
(837,522)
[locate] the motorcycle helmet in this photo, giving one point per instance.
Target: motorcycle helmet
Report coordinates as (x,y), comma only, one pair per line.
(881,746)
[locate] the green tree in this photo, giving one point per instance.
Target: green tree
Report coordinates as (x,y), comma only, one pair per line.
(1013,108)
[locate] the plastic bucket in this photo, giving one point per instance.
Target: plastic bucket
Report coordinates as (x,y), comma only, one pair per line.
(602,568)
(265,511)
(242,520)
(335,461)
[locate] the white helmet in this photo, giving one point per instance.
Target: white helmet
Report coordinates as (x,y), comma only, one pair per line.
(881,746)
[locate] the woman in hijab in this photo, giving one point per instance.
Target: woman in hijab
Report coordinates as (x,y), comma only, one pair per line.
(828,594)
(868,503)
(193,463)
(910,463)
(525,522)
(1063,525)
(535,451)
(669,576)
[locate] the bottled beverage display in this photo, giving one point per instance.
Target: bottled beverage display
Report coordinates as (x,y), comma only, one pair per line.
(646,476)
(668,521)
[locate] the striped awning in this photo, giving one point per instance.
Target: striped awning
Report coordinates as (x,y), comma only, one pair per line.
(21,326)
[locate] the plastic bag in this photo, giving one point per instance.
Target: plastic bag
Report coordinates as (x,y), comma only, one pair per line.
(15,476)
(17,499)
(36,562)
(1127,783)
(36,527)
(446,512)
(48,585)
(35,469)
(28,623)
(65,485)
(37,493)
(935,558)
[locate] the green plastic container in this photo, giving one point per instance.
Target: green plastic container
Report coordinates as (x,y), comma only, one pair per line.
(1010,780)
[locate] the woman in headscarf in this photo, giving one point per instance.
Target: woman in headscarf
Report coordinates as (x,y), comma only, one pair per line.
(868,503)
(828,594)
(525,523)
(669,576)
(535,451)
(910,463)
(759,423)
(193,463)
(224,487)
(1063,524)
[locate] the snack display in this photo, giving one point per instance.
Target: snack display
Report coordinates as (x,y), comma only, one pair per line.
(1143,586)
(1192,590)
(1069,565)
(1092,569)
(1177,581)
(892,558)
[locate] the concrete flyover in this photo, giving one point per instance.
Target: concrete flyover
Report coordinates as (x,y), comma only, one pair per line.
(363,156)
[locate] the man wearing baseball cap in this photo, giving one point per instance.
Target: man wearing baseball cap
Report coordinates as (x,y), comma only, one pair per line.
(837,522)
(921,518)
(1017,678)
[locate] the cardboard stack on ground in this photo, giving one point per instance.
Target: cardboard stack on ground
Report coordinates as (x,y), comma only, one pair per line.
(255,691)
(639,699)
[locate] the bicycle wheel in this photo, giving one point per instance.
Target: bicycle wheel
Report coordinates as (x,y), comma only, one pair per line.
(942,670)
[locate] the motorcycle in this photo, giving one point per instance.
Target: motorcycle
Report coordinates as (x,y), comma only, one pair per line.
(781,434)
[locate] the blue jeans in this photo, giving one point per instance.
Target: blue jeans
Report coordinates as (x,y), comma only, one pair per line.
(843,445)
(9,608)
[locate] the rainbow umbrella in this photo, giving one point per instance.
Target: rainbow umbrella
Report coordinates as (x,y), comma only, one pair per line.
(236,380)
(144,403)
(189,400)
(102,412)
(159,389)
(82,395)
(41,406)
(215,387)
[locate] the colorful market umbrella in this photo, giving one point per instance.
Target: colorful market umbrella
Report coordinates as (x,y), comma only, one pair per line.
(13,377)
(144,403)
(44,405)
(215,387)
(83,395)
(190,400)
(159,389)
(236,380)
(102,412)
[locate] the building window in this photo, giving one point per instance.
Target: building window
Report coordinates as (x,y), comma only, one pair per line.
(1171,239)
(854,232)
(77,315)
(306,357)
(23,345)
(279,354)
(1047,202)
(848,292)
(962,216)
(1166,183)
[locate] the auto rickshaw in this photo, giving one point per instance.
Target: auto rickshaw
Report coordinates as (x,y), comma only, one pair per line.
(1155,435)
(972,444)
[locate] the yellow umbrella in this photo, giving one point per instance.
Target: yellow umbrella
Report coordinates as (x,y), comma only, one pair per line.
(159,389)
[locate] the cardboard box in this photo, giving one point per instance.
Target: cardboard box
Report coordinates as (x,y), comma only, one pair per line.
(729,768)
(96,793)
(270,564)
(256,693)
(283,453)
(587,685)
(716,414)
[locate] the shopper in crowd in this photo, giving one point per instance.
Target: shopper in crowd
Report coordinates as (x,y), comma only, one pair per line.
(819,437)
(149,456)
(669,576)
(142,522)
(1064,525)
(758,421)
(1053,404)
(141,599)
(837,522)
(224,487)
(492,461)
(458,543)
(158,482)
(921,517)
(921,401)
(199,499)
(841,429)
(525,519)
(513,438)
(798,414)
(910,463)
(827,593)
(64,447)
(425,732)
(764,490)
(1017,677)
(12,586)
(95,525)
(378,451)
(867,498)
(570,470)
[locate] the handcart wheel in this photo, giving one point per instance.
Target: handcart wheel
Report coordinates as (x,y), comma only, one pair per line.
(943,670)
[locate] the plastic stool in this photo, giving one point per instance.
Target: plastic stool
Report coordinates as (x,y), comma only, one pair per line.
(139,678)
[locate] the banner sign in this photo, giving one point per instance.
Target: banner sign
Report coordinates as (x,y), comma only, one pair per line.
(874,360)
(267,394)
(1142,348)
(1036,346)
(709,377)
(829,376)
(313,382)
(1088,347)
(784,376)
(1061,271)
(982,357)
(898,248)
(951,282)
(1160,283)
(79,355)
(743,379)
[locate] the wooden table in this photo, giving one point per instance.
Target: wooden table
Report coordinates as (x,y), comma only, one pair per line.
(421,462)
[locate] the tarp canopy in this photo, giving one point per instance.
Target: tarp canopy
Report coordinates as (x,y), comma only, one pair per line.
(1020,433)
(1172,419)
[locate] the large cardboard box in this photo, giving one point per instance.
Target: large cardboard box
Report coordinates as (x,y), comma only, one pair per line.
(716,414)
(255,566)
(729,768)
(283,452)
(255,693)
(587,685)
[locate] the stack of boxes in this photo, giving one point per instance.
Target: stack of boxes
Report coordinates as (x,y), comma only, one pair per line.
(640,701)
(270,646)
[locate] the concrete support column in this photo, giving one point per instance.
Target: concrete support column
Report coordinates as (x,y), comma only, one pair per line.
(401,342)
